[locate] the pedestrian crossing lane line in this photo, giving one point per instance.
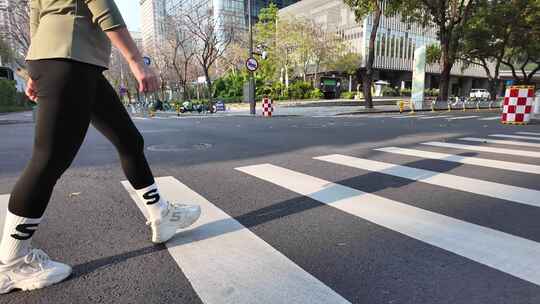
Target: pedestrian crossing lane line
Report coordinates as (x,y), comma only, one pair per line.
(491,189)
(4,200)
(484,162)
(515,152)
(502,251)
(529,133)
(501,142)
(462,117)
(491,118)
(515,136)
(228,264)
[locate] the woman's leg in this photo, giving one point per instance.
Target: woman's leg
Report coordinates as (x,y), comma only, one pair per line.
(111,118)
(65,94)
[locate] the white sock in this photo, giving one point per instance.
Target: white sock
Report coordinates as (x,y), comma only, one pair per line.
(17,236)
(153,201)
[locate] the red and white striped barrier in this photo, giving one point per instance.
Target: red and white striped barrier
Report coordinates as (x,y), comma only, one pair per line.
(268,107)
(517,106)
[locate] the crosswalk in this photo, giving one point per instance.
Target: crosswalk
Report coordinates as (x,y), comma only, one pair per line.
(225,261)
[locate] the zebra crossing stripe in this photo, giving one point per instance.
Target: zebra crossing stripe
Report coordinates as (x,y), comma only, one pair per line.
(490,163)
(4,200)
(462,117)
(491,118)
(500,191)
(516,136)
(501,142)
(529,133)
(225,262)
(484,149)
(504,252)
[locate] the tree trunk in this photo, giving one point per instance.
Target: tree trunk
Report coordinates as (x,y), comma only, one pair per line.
(444,86)
(367,77)
(209,85)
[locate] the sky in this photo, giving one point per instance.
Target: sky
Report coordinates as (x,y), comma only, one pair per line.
(130,12)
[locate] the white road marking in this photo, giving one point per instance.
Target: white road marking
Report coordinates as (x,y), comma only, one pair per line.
(491,118)
(515,136)
(500,191)
(462,117)
(4,200)
(484,149)
(504,252)
(139,118)
(528,133)
(433,117)
(160,131)
(408,116)
(501,142)
(484,162)
(228,264)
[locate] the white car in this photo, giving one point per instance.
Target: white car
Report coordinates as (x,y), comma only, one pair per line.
(480,94)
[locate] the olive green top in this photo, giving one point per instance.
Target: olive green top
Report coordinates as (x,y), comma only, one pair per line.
(73,29)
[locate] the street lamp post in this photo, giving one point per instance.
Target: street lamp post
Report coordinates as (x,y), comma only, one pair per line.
(251,95)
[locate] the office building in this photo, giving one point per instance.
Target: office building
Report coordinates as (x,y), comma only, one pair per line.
(395,44)
(152,23)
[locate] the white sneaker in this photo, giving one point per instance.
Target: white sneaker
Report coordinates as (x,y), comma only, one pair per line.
(176,216)
(33,271)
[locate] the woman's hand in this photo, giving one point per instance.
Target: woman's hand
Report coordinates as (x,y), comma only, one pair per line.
(31,90)
(146,77)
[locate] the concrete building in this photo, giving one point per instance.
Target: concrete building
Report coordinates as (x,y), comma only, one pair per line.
(395,44)
(152,23)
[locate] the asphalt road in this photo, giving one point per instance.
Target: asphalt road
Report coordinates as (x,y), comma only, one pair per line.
(358,226)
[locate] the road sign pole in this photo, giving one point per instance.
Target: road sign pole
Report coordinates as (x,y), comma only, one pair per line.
(251,95)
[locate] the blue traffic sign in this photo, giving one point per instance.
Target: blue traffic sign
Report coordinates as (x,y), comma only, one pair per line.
(147,60)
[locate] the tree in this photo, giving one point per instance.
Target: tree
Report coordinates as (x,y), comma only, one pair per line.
(486,38)
(6,53)
(211,37)
(450,17)
(362,9)
(18,29)
(524,43)
(182,50)
(348,64)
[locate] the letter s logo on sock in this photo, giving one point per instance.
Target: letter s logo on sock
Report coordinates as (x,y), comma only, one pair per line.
(151,196)
(26,231)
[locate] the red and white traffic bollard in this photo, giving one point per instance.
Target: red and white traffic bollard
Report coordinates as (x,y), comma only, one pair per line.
(268,107)
(517,106)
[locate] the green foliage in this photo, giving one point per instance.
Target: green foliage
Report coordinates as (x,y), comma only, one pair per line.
(316,94)
(431,92)
(389,91)
(363,8)
(433,54)
(347,95)
(8,93)
(405,92)
(347,63)
(230,85)
(300,90)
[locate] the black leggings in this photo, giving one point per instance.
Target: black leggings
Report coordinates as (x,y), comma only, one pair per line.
(71,95)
